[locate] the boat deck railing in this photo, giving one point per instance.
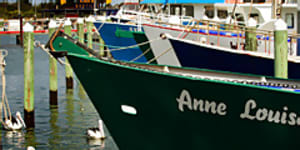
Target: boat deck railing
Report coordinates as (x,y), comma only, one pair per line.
(220,29)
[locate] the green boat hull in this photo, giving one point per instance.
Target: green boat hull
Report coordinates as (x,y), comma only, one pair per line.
(178,112)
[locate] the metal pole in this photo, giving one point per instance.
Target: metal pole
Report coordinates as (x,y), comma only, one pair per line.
(53,71)
(274,8)
(298,26)
(281,49)
(29,76)
(68,68)
(21,23)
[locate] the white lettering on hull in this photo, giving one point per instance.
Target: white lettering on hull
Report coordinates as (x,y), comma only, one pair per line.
(251,110)
(185,101)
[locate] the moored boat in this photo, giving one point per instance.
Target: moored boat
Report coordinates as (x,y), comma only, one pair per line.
(162,107)
(199,55)
(117,35)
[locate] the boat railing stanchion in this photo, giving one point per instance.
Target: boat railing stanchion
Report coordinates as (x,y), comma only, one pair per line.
(218,29)
(269,41)
(68,68)
(52,71)
(29,75)
(281,49)
(207,28)
(265,40)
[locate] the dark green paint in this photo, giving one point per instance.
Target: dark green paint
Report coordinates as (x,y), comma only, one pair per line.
(123,33)
(140,37)
(160,125)
(61,44)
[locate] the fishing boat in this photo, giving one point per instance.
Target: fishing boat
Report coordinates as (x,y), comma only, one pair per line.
(199,55)
(146,106)
(212,26)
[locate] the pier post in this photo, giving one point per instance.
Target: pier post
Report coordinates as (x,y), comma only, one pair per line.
(28,76)
(281,49)
(80,23)
(68,68)
(101,46)
(52,71)
(80,30)
(250,35)
(21,30)
(90,24)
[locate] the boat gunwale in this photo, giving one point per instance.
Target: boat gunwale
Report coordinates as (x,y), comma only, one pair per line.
(129,65)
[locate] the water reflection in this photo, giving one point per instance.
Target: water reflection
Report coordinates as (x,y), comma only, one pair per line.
(96,144)
(70,107)
(54,136)
(14,138)
(30,138)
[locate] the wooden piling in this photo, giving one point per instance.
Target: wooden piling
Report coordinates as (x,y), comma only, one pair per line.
(250,35)
(21,30)
(68,68)
(52,71)
(80,30)
(281,49)
(90,25)
(101,47)
(28,76)
(80,23)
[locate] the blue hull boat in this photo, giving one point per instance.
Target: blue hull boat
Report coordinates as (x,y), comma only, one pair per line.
(193,54)
(117,35)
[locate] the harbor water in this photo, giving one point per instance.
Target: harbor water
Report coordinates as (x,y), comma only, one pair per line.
(62,128)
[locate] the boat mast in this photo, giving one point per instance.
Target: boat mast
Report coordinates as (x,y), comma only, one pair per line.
(274,8)
(298,17)
(19,7)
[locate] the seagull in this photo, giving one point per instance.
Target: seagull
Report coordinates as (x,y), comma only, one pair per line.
(96,133)
(15,123)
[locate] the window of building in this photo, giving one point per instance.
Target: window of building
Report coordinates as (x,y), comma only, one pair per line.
(289,19)
(189,11)
(222,14)
(255,17)
(209,11)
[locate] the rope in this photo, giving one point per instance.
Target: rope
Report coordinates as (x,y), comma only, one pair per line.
(118,48)
(42,46)
(100,27)
(4,102)
(143,54)
(155,58)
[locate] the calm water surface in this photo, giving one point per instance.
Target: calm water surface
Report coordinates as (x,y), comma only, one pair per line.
(62,128)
